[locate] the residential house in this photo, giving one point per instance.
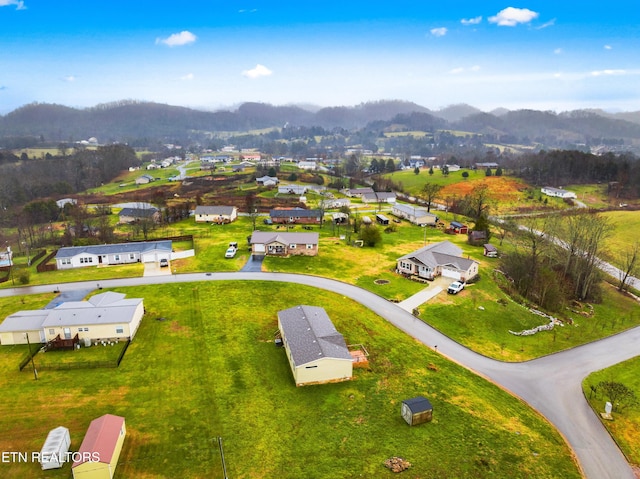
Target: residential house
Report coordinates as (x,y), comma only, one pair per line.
(456,228)
(267,181)
(307,165)
(134,215)
(415,215)
(357,192)
(296,216)
(337,203)
(379,197)
(216,214)
(437,259)
(316,351)
(558,192)
(273,243)
(100,448)
(144,179)
(111,254)
(106,315)
(292,189)
(61,203)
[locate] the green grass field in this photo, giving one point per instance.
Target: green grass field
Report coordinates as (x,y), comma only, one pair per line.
(211,370)
(625,427)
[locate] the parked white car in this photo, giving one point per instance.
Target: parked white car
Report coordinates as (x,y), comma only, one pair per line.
(231,252)
(455,287)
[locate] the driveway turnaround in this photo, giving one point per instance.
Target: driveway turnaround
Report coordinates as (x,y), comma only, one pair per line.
(551,385)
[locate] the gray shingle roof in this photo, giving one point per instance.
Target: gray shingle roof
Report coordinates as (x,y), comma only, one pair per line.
(119,248)
(214,210)
(266,237)
(296,213)
(439,254)
(311,335)
(138,212)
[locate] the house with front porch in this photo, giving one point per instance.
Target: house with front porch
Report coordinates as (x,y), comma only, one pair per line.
(437,259)
(296,216)
(110,254)
(215,214)
(272,243)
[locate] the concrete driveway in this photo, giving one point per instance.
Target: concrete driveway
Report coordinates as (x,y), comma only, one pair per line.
(154,269)
(253,264)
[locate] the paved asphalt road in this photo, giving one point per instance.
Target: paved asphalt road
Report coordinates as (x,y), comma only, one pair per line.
(551,385)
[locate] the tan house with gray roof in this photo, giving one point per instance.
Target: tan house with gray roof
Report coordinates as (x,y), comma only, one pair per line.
(272,243)
(316,351)
(438,259)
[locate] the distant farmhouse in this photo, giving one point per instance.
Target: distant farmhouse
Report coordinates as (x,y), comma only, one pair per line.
(272,243)
(104,316)
(110,254)
(357,192)
(292,189)
(144,179)
(307,165)
(216,214)
(437,259)
(316,351)
(379,197)
(134,215)
(267,181)
(417,216)
(295,216)
(558,192)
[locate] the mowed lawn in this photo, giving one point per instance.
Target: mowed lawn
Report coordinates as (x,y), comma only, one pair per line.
(210,369)
(625,427)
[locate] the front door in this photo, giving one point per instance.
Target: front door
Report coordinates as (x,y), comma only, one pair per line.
(67,333)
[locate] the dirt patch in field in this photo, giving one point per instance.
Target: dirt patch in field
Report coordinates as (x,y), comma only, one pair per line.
(502,189)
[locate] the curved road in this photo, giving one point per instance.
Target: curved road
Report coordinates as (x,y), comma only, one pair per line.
(551,385)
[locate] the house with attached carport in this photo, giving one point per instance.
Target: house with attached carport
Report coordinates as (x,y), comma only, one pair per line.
(437,259)
(111,254)
(557,192)
(273,243)
(316,351)
(417,216)
(215,214)
(107,315)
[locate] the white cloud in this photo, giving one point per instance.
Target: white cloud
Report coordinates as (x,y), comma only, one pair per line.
(253,10)
(558,51)
(475,68)
(188,76)
(19,4)
(608,47)
(550,23)
(510,16)
(471,21)
(177,39)
(70,78)
(456,71)
(599,73)
(257,72)
(439,32)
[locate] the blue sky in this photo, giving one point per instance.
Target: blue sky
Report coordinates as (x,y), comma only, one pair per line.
(547,55)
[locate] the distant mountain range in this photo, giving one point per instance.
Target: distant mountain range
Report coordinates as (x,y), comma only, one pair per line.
(132,121)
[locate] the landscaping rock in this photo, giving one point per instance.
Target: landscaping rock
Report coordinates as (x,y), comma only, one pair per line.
(397,464)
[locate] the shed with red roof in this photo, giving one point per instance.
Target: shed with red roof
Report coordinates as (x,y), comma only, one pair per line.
(100,448)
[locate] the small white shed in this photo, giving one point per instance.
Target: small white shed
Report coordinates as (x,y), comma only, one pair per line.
(54,452)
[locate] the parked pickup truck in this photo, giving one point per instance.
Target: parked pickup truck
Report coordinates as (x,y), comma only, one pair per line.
(231,250)
(455,287)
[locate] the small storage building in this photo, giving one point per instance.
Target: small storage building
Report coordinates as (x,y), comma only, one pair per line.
(490,251)
(382,219)
(416,410)
(100,448)
(54,452)
(366,220)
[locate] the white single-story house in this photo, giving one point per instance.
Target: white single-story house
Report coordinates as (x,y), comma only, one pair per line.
(336,202)
(307,165)
(61,203)
(316,351)
(437,259)
(558,192)
(267,181)
(273,243)
(110,254)
(357,192)
(216,214)
(292,189)
(106,315)
(417,216)
(100,448)
(379,197)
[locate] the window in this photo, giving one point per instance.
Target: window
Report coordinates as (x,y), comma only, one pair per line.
(86,329)
(65,261)
(292,246)
(132,256)
(309,246)
(119,330)
(116,257)
(52,332)
(79,329)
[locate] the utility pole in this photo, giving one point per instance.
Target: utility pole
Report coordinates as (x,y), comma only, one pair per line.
(35,372)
